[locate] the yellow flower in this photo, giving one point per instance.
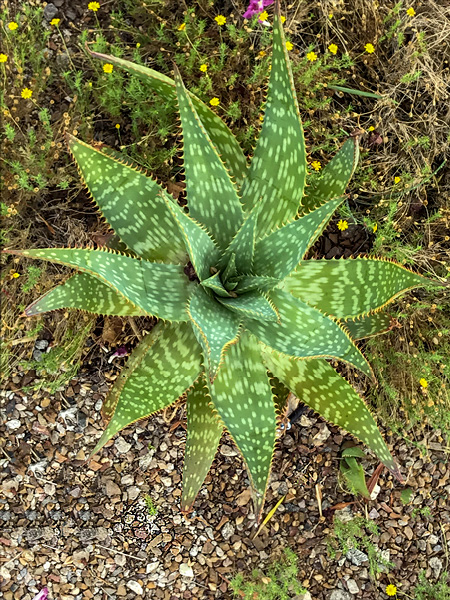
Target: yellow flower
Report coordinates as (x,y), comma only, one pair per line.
(12,25)
(220,20)
(283,19)
(26,93)
(214,101)
(311,56)
(15,275)
(371,128)
(203,68)
(391,590)
(262,53)
(333,48)
(342,225)
(108,68)
(289,46)
(138,45)
(263,16)
(117,125)
(94,6)
(55,22)
(330,16)
(375,228)
(369,48)
(3,58)
(182,27)
(411,12)
(316,165)
(423,382)
(397,179)
(261,118)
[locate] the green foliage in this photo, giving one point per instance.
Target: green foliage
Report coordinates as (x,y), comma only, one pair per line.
(357,533)
(353,473)
(425,590)
(279,583)
(226,276)
(151,507)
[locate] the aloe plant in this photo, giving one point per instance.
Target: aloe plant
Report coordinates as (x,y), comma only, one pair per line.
(236,300)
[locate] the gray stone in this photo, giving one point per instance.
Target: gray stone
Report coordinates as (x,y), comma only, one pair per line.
(41,344)
(356,557)
(436,565)
(340,595)
(121,445)
(135,587)
(226,450)
(186,570)
(305,596)
(352,586)
(13,424)
(227,531)
(50,11)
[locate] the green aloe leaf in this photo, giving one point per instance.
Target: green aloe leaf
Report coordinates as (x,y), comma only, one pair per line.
(242,378)
(216,328)
(160,290)
(221,136)
(160,369)
(84,292)
(334,178)
(248,283)
(352,287)
(243,244)
(252,305)
(279,253)
(317,384)
(204,430)
(215,284)
(354,474)
(131,202)
(368,326)
(202,250)
(278,169)
(208,184)
(293,336)
(230,270)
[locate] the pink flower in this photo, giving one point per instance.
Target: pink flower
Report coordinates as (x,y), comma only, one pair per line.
(255,7)
(42,595)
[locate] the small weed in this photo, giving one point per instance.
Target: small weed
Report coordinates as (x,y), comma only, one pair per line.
(280,582)
(422,512)
(433,591)
(149,503)
(32,277)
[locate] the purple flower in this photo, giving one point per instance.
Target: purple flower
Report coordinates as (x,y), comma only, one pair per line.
(122,351)
(42,595)
(255,7)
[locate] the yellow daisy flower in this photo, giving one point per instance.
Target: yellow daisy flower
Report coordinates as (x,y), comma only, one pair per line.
(26,93)
(263,16)
(182,27)
(342,225)
(289,46)
(117,125)
(411,12)
(220,20)
(3,58)
(311,56)
(108,68)
(15,275)
(375,228)
(333,48)
(369,48)
(203,68)
(423,382)
(12,25)
(55,22)
(316,165)
(371,128)
(214,101)
(391,590)
(283,19)
(397,179)
(94,6)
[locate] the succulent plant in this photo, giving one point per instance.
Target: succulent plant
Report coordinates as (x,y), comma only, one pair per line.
(238,305)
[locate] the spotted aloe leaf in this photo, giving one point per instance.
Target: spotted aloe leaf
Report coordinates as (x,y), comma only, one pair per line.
(276,176)
(204,430)
(241,307)
(131,202)
(222,138)
(216,328)
(164,365)
(207,180)
(159,290)
(292,335)
(334,178)
(86,293)
(280,252)
(360,285)
(317,384)
(373,324)
(252,425)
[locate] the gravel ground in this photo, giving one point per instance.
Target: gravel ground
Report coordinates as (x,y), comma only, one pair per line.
(69,526)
